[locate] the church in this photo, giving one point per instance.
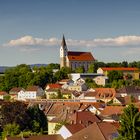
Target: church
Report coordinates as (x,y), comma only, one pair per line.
(74,59)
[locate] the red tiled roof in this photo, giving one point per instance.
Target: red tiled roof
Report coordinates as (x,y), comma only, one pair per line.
(3,93)
(111,110)
(84,117)
(54,86)
(119,69)
(73,128)
(95,131)
(80,56)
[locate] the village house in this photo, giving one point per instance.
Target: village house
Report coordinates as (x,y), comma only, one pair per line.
(129,91)
(96,131)
(69,129)
(3,94)
(65,81)
(52,90)
(32,92)
(101,80)
(14,92)
(59,112)
(100,94)
(134,72)
(111,113)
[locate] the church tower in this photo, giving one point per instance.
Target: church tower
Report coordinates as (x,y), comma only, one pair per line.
(63,53)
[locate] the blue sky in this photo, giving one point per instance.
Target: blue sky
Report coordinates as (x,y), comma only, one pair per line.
(31,30)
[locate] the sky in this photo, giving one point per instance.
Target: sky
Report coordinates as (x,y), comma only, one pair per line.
(31,30)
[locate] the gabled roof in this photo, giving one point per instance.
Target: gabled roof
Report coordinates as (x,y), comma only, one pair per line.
(112,110)
(96,131)
(16,89)
(54,86)
(119,69)
(32,88)
(84,117)
(73,128)
(80,56)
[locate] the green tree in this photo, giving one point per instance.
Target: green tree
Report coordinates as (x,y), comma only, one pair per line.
(124,64)
(91,69)
(129,124)
(132,64)
(59,125)
(38,120)
(80,69)
(11,130)
(7,97)
(62,73)
(90,83)
(115,75)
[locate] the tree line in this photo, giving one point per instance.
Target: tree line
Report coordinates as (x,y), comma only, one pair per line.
(23,75)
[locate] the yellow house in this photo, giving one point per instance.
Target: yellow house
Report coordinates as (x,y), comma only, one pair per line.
(129,70)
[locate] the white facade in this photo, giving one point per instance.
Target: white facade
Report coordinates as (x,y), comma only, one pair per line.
(101,80)
(100,71)
(23,95)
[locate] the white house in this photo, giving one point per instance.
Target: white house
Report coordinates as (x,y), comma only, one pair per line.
(14,92)
(101,80)
(32,92)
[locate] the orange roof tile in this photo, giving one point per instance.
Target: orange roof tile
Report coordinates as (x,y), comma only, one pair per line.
(119,69)
(80,56)
(111,110)
(105,92)
(54,86)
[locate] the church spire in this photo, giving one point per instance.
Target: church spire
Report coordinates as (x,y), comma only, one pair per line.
(63,53)
(63,43)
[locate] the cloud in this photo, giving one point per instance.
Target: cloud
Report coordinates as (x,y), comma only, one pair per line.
(29,41)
